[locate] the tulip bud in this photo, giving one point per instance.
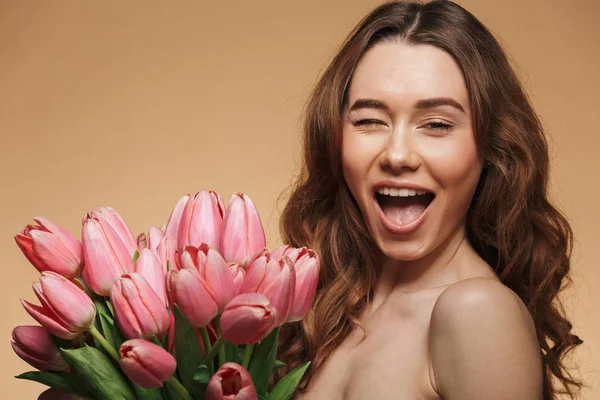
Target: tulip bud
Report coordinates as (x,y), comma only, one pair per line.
(213,269)
(231,382)
(108,249)
(172,229)
(145,363)
(34,345)
(256,272)
(167,249)
(51,248)
(57,394)
(190,292)
(287,251)
(148,265)
(155,235)
(248,318)
(307,278)
(138,309)
(243,235)
(66,310)
(201,220)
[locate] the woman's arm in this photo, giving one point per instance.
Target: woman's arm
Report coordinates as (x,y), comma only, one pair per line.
(483,344)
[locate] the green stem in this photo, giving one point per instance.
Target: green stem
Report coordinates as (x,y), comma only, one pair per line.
(107,346)
(216,347)
(178,387)
(207,348)
(247,355)
(222,355)
(110,307)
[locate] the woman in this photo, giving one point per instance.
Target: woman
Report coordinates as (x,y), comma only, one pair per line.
(424,190)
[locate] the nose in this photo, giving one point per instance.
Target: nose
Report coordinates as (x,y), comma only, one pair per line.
(400,152)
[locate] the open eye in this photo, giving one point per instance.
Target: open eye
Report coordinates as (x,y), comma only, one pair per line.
(438,125)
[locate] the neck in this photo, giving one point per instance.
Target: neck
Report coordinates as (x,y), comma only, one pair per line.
(438,268)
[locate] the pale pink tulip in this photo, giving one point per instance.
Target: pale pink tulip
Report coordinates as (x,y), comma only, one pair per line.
(201,220)
(108,249)
(307,278)
(166,253)
(155,235)
(191,293)
(248,318)
(213,269)
(138,309)
(146,363)
(172,229)
(148,265)
(66,310)
(48,247)
(231,382)
(34,345)
(243,235)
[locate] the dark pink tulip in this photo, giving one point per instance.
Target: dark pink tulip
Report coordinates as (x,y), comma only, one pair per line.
(172,228)
(307,278)
(146,363)
(51,248)
(231,382)
(248,318)
(66,310)
(201,220)
(243,235)
(57,394)
(138,309)
(34,345)
(191,293)
(108,249)
(148,265)
(212,268)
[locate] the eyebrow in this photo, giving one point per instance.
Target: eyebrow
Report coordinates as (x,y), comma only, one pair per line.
(420,105)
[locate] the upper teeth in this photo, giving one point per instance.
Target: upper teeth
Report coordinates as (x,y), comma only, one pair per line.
(400,192)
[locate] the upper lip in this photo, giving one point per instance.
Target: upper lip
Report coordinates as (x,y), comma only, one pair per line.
(401,185)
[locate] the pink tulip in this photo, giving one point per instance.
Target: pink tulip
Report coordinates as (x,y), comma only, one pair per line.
(148,265)
(213,269)
(191,293)
(66,310)
(142,241)
(108,249)
(248,318)
(292,253)
(138,309)
(51,248)
(231,382)
(166,253)
(146,363)
(276,279)
(34,345)
(201,220)
(243,235)
(155,235)
(307,278)
(57,394)
(172,229)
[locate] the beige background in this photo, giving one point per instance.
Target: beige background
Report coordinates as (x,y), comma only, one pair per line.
(133,104)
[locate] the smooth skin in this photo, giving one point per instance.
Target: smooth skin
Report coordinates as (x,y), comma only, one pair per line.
(440,324)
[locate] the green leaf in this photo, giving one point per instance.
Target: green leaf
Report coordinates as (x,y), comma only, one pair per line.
(67,381)
(107,328)
(147,394)
(97,370)
(231,352)
(136,255)
(263,359)
(117,336)
(187,355)
(284,389)
(261,397)
(202,375)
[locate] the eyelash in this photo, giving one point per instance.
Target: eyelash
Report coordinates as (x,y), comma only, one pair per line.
(439,125)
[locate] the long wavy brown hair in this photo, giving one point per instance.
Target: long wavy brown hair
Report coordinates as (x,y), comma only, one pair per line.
(510,222)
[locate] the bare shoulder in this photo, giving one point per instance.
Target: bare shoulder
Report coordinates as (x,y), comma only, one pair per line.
(483,343)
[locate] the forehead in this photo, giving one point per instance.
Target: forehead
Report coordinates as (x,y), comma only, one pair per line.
(396,73)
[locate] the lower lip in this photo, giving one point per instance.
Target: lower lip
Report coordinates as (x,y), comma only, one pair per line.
(402,229)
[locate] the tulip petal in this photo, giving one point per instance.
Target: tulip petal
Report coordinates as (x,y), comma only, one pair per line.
(38,313)
(67,301)
(175,218)
(68,240)
(25,243)
(55,254)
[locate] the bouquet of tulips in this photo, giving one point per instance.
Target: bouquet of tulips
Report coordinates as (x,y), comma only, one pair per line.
(192,310)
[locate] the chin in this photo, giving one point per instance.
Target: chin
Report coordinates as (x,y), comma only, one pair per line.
(403,250)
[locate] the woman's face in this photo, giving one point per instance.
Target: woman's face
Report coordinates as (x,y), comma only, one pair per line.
(408,147)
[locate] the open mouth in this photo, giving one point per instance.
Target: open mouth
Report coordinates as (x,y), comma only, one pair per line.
(403,206)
